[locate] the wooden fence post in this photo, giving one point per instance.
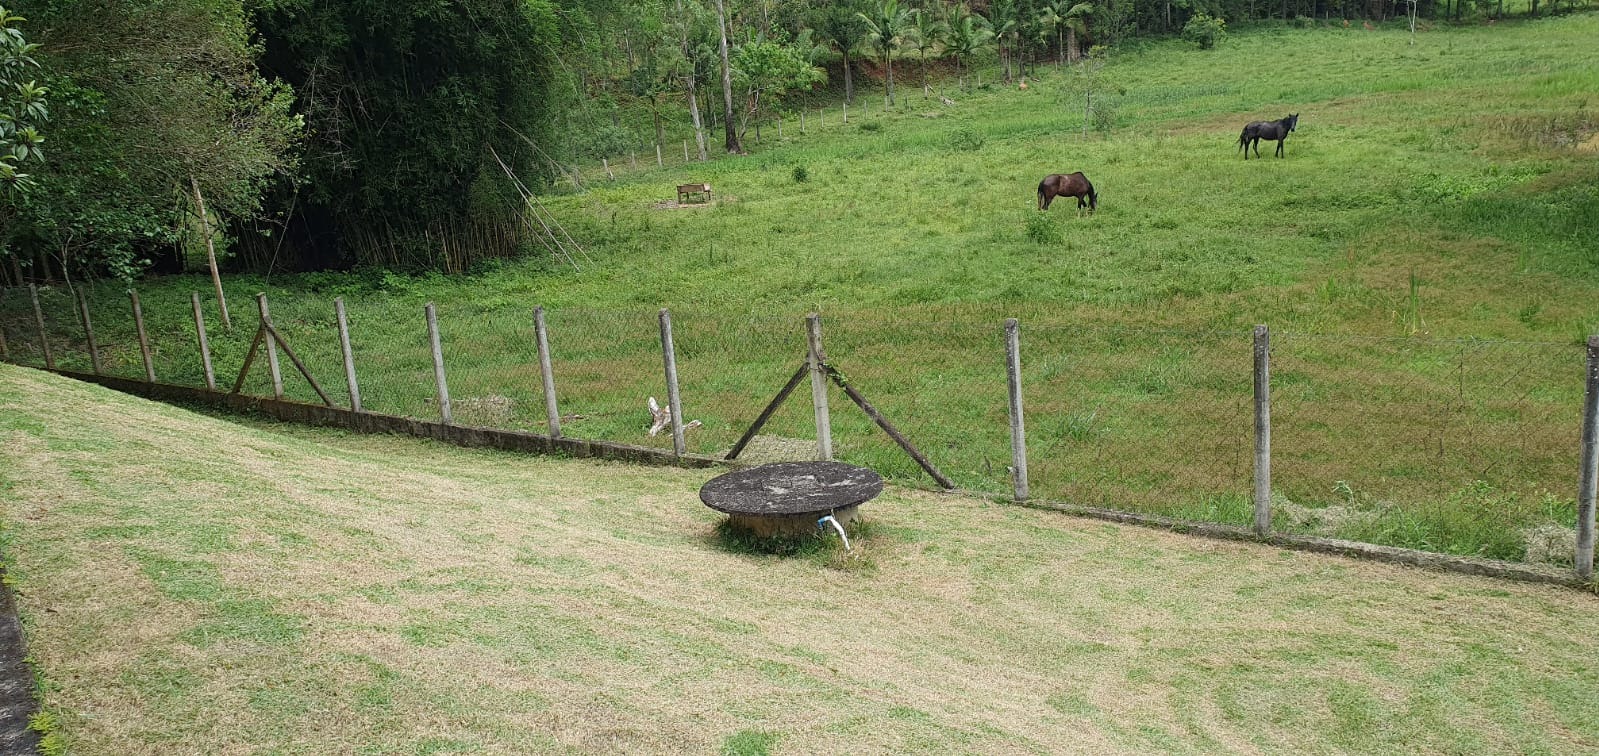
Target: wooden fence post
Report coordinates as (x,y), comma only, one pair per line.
(674,403)
(205,344)
(1262,430)
(541,335)
(144,339)
(607,164)
(88,332)
(438,365)
(780,127)
(846,112)
(349,355)
(821,114)
(271,346)
(685,150)
(632,160)
(1018,435)
(44,336)
(5,351)
(802,120)
(1590,465)
(818,360)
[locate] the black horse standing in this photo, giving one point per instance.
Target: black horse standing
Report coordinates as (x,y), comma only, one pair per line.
(1067,185)
(1271,131)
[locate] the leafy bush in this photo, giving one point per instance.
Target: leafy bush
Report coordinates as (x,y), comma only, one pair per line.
(1204,30)
(1041,229)
(801,175)
(966,140)
(872,126)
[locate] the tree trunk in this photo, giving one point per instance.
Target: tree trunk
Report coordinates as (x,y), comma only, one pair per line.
(1072,53)
(693,99)
(849,81)
(890,62)
(728,126)
(211,253)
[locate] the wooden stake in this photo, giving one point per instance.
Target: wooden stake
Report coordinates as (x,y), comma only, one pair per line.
(438,365)
(607,164)
(249,358)
(802,121)
(1262,430)
(658,162)
(888,427)
(1590,465)
(205,344)
(817,359)
(349,355)
(541,335)
(211,254)
(846,112)
(294,359)
(38,319)
(271,347)
(685,150)
(1018,435)
(766,414)
(88,332)
(673,402)
(144,340)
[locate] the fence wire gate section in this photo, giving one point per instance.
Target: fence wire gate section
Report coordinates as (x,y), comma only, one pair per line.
(1151,421)
(1463,446)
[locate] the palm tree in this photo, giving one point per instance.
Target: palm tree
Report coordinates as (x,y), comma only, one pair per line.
(839,26)
(886,30)
(1003,21)
(1070,17)
(928,33)
(968,33)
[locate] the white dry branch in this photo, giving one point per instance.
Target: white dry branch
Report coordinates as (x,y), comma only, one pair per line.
(663,418)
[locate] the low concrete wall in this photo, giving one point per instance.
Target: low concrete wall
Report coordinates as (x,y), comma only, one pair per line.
(368,422)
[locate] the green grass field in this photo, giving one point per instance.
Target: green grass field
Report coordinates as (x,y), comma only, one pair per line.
(198,584)
(1424,255)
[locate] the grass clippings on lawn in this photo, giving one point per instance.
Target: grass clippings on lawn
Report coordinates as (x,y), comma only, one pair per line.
(188,584)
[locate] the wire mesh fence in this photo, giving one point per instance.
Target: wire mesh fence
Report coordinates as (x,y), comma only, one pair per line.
(1458,446)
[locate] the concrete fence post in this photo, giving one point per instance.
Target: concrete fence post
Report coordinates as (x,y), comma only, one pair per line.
(1262,430)
(438,365)
(547,373)
(1018,434)
(348,354)
(205,344)
(1590,465)
(818,361)
(674,403)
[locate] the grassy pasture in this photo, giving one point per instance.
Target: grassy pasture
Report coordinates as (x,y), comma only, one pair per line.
(1424,254)
(195,584)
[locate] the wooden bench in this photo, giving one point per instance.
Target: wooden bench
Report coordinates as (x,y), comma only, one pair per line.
(684,190)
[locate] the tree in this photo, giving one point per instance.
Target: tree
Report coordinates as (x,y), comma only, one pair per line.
(22,106)
(152,98)
(886,29)
(408,103)
(1070,17)
(1003,22)
(968,33)
(729,126)
(767,71)
(928,32)
(839,26)
(1086,79)
(685,26)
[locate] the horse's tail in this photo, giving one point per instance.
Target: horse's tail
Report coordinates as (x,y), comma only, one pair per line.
(1040,195)
(1243,137)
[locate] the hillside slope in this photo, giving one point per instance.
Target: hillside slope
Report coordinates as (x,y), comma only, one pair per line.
(189,583)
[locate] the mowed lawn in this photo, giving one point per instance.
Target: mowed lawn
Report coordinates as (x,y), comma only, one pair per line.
(194,585)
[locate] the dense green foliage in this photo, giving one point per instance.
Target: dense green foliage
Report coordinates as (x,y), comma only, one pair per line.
(22,107)
(149,97)
(412,105)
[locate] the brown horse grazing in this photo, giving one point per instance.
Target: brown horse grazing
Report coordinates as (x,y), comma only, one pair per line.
(1271,131)
(1067,185)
